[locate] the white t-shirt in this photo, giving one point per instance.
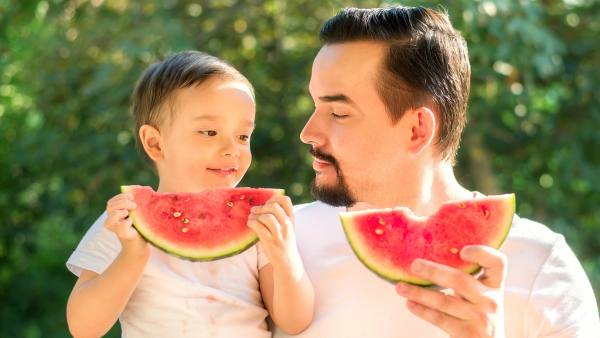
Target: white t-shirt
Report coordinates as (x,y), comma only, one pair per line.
(547,292)
(179,298)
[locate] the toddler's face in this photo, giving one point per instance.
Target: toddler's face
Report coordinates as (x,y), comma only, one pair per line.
(206,138)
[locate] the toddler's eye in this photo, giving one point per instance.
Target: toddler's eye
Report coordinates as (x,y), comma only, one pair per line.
(245,138)
(208,132)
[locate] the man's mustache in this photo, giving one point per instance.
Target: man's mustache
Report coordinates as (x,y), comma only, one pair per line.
(323,156)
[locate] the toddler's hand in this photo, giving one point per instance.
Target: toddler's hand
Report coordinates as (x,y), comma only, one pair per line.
(273,223)
(119,222)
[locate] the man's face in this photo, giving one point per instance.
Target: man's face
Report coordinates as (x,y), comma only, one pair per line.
(355,146)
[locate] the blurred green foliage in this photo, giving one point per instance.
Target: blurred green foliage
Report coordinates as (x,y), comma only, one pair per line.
(67,69)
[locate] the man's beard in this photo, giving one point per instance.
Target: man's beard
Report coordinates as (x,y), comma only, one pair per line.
(337,195)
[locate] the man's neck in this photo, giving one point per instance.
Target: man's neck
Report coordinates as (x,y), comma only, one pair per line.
(442,187)
(423,192)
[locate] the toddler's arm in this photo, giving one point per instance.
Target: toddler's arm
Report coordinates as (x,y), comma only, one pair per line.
(97,300)
(286,289)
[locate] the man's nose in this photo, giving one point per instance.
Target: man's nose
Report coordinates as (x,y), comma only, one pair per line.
(312,132)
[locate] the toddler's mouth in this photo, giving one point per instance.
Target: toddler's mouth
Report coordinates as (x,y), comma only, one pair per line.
(223,171)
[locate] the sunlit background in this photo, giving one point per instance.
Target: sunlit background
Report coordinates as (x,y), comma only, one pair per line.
(67,69)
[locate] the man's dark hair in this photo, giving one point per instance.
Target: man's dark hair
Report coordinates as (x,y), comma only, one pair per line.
(156,85)
(426,63)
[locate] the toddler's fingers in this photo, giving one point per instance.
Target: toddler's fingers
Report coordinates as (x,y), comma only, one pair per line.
(125,229)
(259,229)
(274,208)
(269,222)
(271,207)
(122,203)
(114,217)
(272,224)
(121,196)
(285,202)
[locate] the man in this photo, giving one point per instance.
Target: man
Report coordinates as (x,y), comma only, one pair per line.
(390,88)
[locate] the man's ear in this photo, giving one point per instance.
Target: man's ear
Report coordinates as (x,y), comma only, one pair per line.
(151,141)
(423,128)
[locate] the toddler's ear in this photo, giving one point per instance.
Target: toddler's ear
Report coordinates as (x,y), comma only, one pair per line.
(150,139)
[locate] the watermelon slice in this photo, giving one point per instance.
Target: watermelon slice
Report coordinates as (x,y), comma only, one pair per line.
(388,240)
(201,226)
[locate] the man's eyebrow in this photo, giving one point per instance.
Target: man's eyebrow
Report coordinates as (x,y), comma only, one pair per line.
(336,98)
(340,98)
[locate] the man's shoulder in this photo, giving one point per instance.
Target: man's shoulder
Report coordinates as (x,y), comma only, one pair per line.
(529,247)
(524,230)
(543,268)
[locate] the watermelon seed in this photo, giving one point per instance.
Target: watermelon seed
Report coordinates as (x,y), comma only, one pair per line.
(379,231)
(462,205)
(230,204)
(185,220)
(176,214)
(454,250)
(486,212)
(381,222)
(184,229)
(242,197)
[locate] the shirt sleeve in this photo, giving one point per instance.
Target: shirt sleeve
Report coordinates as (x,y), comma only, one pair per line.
(96,251)
(563,295)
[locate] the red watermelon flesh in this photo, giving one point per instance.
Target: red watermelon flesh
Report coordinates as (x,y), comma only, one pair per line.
(388,240)
(202,226)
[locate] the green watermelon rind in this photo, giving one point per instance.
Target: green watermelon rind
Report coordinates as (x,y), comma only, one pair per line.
(229,251)
(393,277)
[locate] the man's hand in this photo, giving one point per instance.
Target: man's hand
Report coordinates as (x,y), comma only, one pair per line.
(474,307)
